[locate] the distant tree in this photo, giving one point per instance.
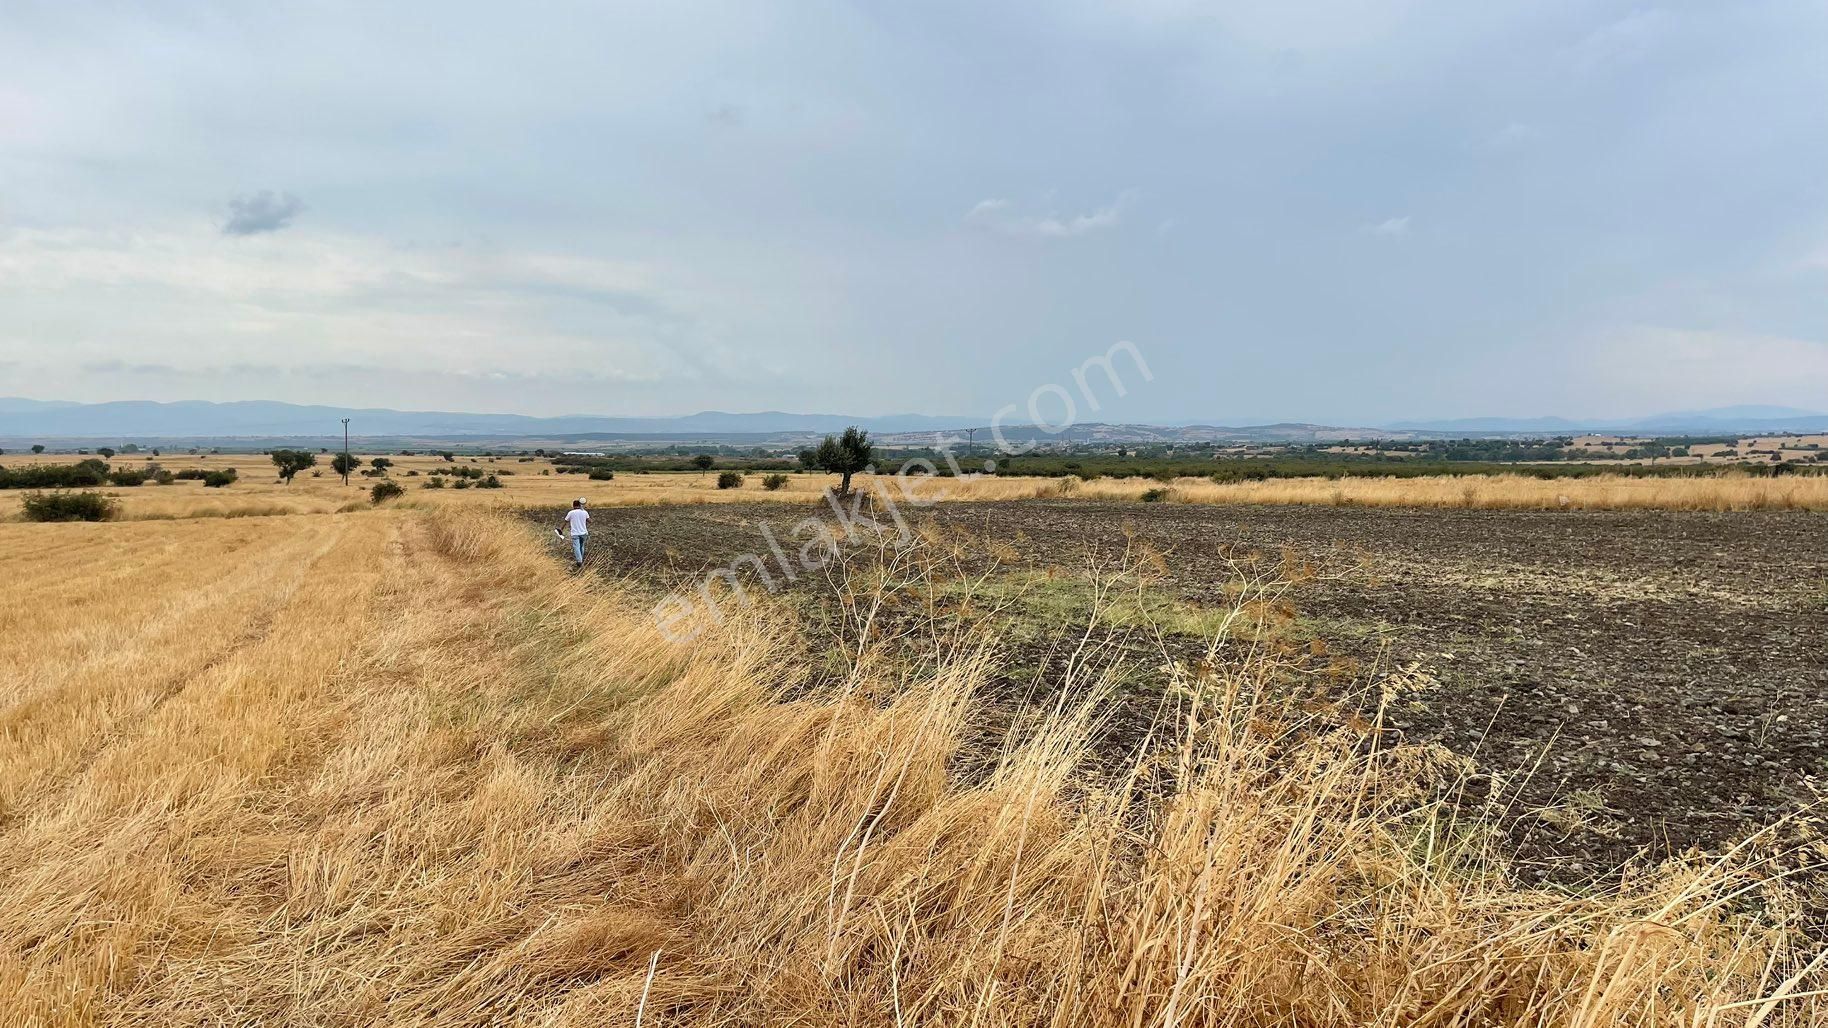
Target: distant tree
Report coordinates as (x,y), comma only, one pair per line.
(130,448)
(842,455)
(37,447)
(107,452)
(291,462)
(384,491)
(730,480)
(447,455)
(703,461)
(381,464)
(345,463)
(155,451)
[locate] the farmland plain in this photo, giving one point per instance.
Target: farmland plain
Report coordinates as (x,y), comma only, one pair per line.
(332,763)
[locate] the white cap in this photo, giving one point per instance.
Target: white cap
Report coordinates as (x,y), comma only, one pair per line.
(582,500)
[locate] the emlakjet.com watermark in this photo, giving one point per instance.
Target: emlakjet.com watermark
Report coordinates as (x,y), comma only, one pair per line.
(815,541)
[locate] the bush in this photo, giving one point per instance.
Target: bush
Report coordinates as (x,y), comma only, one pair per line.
(432,483)
(69,507)
(191,475)
(602,475)
(729,480)
(218,479)
(489,482)
(125,477)
(80,475)
(462,483)
(1156,495)
(385,491)
(774,481)
(164,477)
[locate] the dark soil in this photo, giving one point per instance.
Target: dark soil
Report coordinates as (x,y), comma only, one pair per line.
(1650,681)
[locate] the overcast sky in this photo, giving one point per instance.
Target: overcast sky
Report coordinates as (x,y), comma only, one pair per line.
(1345,211)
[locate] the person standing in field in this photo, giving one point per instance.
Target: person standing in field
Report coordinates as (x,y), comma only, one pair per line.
(577,524)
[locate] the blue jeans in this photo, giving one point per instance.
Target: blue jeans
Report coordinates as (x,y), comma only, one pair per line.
(577,548)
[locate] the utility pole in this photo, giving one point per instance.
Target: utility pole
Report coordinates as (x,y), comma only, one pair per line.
(345,451)
(971,441)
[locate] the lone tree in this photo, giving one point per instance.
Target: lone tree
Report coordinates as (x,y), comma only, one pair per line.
(291,462)
(105,451)
(345,463)
(703,461)
(37,447)
(842,455)
(381,464)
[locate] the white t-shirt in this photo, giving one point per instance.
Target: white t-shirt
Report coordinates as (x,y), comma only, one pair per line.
(579,520)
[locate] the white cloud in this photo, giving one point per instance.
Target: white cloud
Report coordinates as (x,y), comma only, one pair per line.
(998,215)
(1390,227)
(1515,136)
(201,302)
(1619,42)
(1667,368)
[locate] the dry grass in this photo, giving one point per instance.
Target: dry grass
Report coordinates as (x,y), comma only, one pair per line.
(391,768)
(259,493)
(258,490)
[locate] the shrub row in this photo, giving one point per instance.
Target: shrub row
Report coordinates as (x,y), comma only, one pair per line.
(80,475)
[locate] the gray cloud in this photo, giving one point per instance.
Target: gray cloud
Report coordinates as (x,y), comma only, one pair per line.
(783,195)
(265,211)
(119,367)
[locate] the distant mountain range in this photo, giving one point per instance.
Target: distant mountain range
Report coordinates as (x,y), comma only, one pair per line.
(1698,422)
(23,420)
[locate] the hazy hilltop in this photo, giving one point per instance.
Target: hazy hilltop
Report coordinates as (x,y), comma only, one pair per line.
(28,419)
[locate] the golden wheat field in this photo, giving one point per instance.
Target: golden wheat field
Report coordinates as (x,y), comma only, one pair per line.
(534,482)
(393,767)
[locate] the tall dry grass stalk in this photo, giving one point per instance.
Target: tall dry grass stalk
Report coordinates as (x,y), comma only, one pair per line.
(426,780)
